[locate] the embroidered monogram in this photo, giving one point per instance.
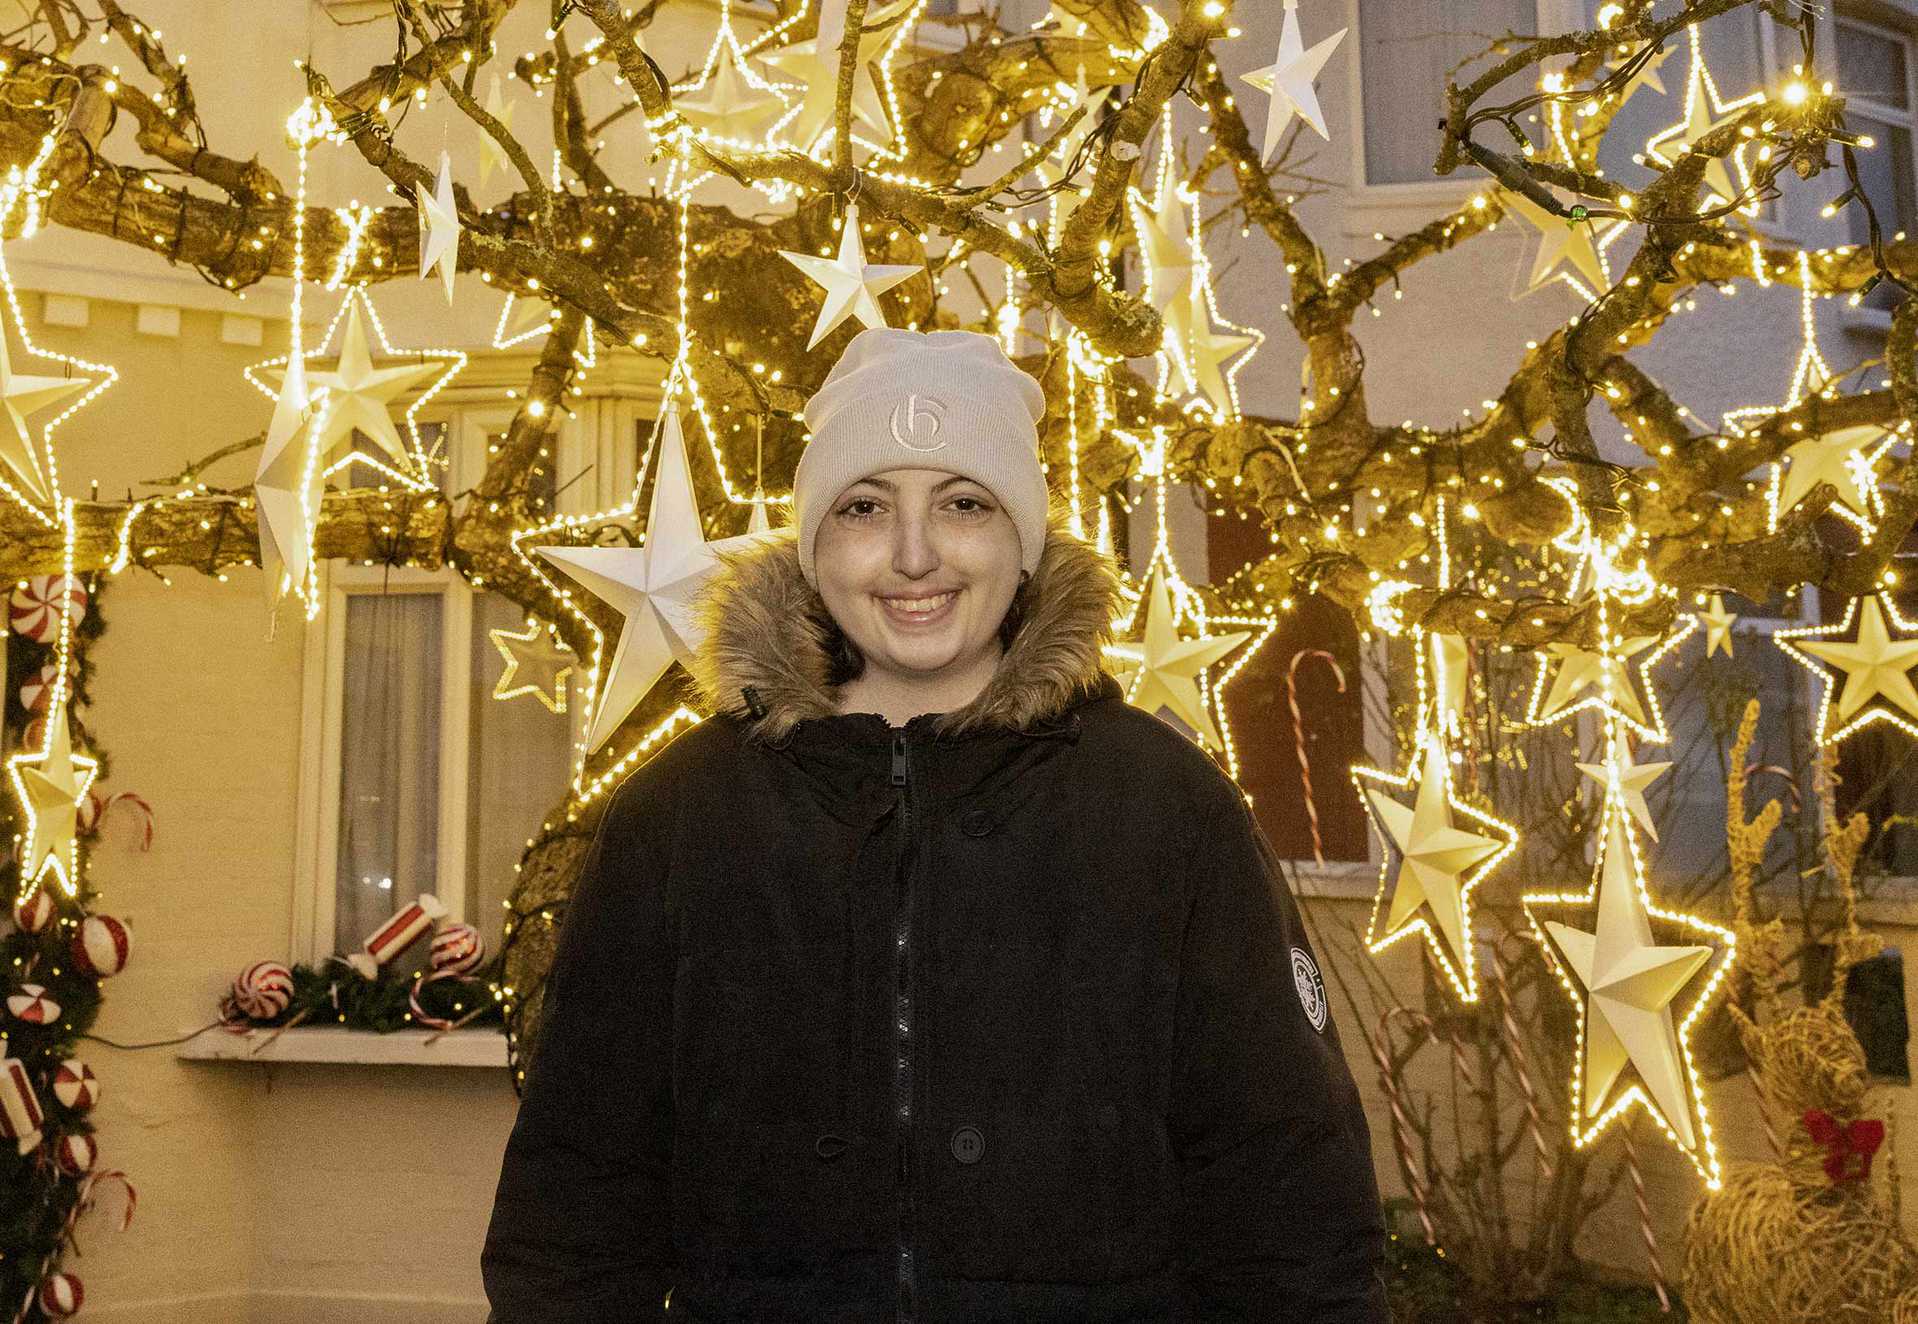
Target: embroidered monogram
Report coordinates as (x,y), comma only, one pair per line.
(906,429)
(1305,974)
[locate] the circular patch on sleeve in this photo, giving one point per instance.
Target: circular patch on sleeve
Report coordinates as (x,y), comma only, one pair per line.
(1311,986)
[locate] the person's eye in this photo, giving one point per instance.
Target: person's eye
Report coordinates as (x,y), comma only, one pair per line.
(980,507)
(847,510)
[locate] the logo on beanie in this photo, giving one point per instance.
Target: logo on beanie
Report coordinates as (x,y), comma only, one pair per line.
(906,421)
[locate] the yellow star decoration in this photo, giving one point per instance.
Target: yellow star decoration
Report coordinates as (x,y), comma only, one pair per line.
(1843,459)
(1582,678)
(1718,626)
(1637,999)
(1633,778)
(28,471)
(813,65)
(51,786)
(1449,663)
(536,664)
(1441,860)
(1705,110)
(1561,243)
(1162,670)
(1876,669)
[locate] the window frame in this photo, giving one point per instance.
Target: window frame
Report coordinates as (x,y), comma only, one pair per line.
(1897,22)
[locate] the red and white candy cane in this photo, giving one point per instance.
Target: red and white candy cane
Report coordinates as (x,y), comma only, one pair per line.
(1298,736)
(1401,1124)
(1645,1220)
(1509,1022)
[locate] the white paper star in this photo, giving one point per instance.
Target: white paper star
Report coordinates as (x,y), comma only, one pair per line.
(1842,458)
(22,395)
(1616,681)
(1633,778)
(1561,243)
(287,489)
(1163,669)
(51,785)
(852,286)
(1718,626)
(1288,81)
(651,587)
(439,226)
(492,155)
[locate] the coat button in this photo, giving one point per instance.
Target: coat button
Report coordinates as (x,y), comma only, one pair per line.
(976,823)
(1108,1117)
(968,1145)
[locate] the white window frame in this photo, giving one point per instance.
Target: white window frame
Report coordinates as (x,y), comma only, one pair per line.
(620,394)
(1899,23)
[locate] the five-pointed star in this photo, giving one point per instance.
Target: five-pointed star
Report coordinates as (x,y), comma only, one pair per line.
(1629,984)
(814,65)
(851,285)
(492,155)
(23,395)
(51,786)
(1560,242)
(439,225)
(732,102)
(1602,679)
(287,490)
(1646,75)
(1288,81)
(1165,243)
(1206,350)
(1698,122)
(1633,778)
(1842,458)
(537,663)
(1718,626)
(358,393)
(1439,864)
(1875,665)
(1164,671)
(653,586)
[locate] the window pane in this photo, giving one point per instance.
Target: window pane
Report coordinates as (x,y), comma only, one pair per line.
(518,764)
(1885,171)
(544,476)
(1871,66)
(389,764)
(1405,53)
(432,442)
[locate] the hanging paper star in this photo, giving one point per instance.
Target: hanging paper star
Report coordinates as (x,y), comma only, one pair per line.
(813,66)
(1844,459)
(29,458)
(1718,626)
(1646,75)
(288,487)
(651,587)
(1162,669)
(51,785)
(1633,778)
(1603,680)
(852,286)
(537,663)
(1288,81)
(1637,1000)
(1207,350)
(491,155)
(732,101)
(1445,848)
(1561,243)
(1876,668)
(1705,110)
(439,226)
(1450,663)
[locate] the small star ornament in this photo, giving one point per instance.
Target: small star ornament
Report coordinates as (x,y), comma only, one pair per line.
(537,663)
(491,155)
(1718,626)
(439,226)
(1866,678)
(852,285)
(1633,778)
(1288,81)
(1164,671)
(1843,459)
(289,486)
(1563,244)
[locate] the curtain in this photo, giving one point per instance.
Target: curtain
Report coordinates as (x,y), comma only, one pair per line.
(389,763)
(1405,53)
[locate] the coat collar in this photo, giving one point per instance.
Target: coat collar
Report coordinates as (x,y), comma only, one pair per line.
(765,628)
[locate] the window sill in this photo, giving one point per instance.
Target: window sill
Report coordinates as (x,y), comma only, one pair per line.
(326,1043)
(1344,880)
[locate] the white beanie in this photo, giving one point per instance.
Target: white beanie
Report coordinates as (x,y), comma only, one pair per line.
(947,400)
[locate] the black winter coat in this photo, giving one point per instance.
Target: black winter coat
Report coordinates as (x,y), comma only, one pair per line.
(1003,1017)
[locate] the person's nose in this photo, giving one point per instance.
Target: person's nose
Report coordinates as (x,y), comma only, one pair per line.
(913,554)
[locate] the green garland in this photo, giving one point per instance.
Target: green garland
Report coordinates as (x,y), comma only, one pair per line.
(334,993)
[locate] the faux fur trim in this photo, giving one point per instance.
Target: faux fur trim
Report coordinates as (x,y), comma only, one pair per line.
(764,626)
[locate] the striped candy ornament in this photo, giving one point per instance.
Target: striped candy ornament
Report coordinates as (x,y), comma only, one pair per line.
(457,949)
(75,1154)
(263,990)
(75,1085)
(34,913)
(37,691)
(34,608)
(397,934)
(61,1295)
(100,946)
(32,1005)
(20,1115)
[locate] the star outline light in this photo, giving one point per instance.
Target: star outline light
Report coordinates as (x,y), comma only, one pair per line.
(1656,732)
(1831,675)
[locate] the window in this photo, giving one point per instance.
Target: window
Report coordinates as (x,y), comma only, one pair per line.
(1875,71)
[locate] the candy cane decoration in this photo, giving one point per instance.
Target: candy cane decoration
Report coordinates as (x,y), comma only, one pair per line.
(1645,1220)
(1401,1124)
(1510,1024)
(1791,782)
(1298,736)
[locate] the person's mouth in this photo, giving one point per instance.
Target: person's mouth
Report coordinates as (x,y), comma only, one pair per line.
(919,610)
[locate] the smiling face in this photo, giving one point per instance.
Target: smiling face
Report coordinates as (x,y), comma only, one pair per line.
(927,539)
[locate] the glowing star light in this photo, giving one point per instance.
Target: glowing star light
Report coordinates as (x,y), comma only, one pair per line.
(537,663)
(1718,626)
(51,786)
(813,65)
(732,102)
(1876,669)
(1603,679)
(1705,110)
(439,226)
(1288,81)
(35,482)
(1562,243)
(1163,670)
(1637,999)
(1445,848)
(1633,778)
(851,285)
(1844,459)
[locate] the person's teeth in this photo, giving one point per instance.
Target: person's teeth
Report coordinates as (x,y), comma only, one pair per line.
(919,604)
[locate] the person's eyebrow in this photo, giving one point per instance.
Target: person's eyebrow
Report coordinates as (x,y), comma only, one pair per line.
(888,485)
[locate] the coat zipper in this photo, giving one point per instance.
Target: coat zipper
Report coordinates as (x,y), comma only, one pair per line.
(903,1064)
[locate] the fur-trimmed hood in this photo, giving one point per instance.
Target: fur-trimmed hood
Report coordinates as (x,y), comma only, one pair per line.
(765,628)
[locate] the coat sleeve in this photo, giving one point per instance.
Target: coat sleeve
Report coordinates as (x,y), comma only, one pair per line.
(1280,1215)
(581,1229)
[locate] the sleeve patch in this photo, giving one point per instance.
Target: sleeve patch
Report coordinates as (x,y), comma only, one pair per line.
(1311,986)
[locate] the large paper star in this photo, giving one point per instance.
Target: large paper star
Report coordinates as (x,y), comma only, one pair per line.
(1445,847)
(1606,680)
(1843,458)
(1450,663)
(814,66)
(1629,991)
(651,587)
(1288,81)
(51,786)
(1162,670)
(537,663)
(1876,668)
(1207,349)
(22,395)
(287,488)
(852,286)
(1561,242)
(1633,778)
(1705,110)
(492,155)
(439,226)
(1646,75)
(733,102)
(1718,626)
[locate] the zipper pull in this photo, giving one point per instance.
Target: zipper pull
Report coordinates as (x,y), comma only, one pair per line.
(899,760)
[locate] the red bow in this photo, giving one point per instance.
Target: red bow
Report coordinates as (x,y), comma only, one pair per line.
(1860,1139)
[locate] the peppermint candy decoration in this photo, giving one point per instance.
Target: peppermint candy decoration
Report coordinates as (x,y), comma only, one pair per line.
(32,1005)
(458,949)
(100,946)
(34,913)
(20,1114)
(263,990)
(75,1085)
(37,692)
(34,609)
(61,1295)
(75,1154)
